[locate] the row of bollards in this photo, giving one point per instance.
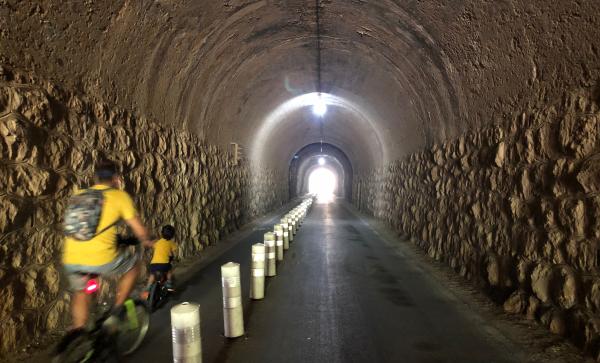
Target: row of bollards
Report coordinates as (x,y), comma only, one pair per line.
(185,317)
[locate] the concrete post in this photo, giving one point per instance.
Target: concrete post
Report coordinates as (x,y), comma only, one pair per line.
(259,264)
(290,227)
(185,333)
(279,243)
(271,254)
(295,221)
(286,234)
(233,316)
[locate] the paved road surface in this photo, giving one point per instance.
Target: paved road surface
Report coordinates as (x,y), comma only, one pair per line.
(341,295)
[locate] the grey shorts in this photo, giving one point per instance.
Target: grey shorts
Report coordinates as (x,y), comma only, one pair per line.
(124,262)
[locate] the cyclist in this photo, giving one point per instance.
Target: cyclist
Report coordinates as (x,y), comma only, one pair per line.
(90,245)
(164,253)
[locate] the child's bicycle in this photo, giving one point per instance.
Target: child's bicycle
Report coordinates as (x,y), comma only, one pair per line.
(158,291)
(97,343)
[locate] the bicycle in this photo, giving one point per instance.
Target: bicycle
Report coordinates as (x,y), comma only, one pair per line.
(158,291)
(99,342)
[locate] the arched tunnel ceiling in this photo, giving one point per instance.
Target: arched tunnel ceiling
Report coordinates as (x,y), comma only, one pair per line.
(422,71)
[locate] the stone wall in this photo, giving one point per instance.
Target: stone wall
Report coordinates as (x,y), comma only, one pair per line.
(49,140)
(515,208)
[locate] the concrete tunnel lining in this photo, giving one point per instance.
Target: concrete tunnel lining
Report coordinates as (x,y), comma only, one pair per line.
(196,93)
(281,129)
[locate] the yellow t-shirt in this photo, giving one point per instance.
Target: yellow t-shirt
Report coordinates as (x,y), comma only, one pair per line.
(101,249)
(163,249)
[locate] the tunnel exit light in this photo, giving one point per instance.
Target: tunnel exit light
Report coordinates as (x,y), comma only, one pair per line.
(321,161)
(322,183)
(320,108)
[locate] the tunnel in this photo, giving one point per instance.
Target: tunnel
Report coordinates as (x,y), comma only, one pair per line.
(470,129)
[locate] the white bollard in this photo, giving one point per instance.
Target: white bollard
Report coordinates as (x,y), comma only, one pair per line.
(291,226)
(185,333)
(233,313)
(257,287)
(286,234)
(271,254)
(279,243)
(295,221)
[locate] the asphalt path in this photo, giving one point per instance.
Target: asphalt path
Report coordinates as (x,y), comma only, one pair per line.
(342,294)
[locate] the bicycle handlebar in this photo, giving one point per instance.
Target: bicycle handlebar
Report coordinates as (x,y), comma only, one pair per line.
(127,241)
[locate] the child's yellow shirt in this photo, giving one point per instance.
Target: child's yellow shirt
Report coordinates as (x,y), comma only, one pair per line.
(163,249)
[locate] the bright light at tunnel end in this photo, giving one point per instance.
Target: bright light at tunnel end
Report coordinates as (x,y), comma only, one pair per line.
(320,107)
(321,161)
(322,183)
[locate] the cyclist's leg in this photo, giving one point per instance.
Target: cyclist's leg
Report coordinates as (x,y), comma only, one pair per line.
(80,301)
(170,274)
(127,283)
(126,267)
(80,309)
(169,283)
(151,275)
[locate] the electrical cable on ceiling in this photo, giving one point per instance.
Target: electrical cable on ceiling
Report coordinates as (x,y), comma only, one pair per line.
(319,85)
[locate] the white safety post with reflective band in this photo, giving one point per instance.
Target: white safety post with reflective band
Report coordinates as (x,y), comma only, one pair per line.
(295,219)
(185,333)
(288,218)
(286,234)
(233,316)
(279,243)
(292,223)
(259,264)
(271,254)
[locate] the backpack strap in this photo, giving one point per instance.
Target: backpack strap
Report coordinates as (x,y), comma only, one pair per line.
(110,225)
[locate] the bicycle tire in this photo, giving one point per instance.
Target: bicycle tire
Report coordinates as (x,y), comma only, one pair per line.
(130,338)
(81,349)
(152,297)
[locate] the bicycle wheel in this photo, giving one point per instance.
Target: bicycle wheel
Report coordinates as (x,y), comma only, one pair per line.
(152,297)
(135,327)
(81,349)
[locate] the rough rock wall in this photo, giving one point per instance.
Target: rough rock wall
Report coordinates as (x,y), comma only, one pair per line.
(49,140)
(514,208)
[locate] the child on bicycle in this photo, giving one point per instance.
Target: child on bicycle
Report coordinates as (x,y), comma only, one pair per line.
(163,255)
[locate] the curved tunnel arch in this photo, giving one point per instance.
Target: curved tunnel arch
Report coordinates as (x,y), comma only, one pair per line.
(203,58)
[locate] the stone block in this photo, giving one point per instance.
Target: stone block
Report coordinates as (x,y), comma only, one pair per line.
(8,335)
(16,140)
(533,307)
(9,210)
(572,214)
(589,175)
(541,280)
(24,180)
(517,303)
(578,134)
(592,298)
(567,287)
